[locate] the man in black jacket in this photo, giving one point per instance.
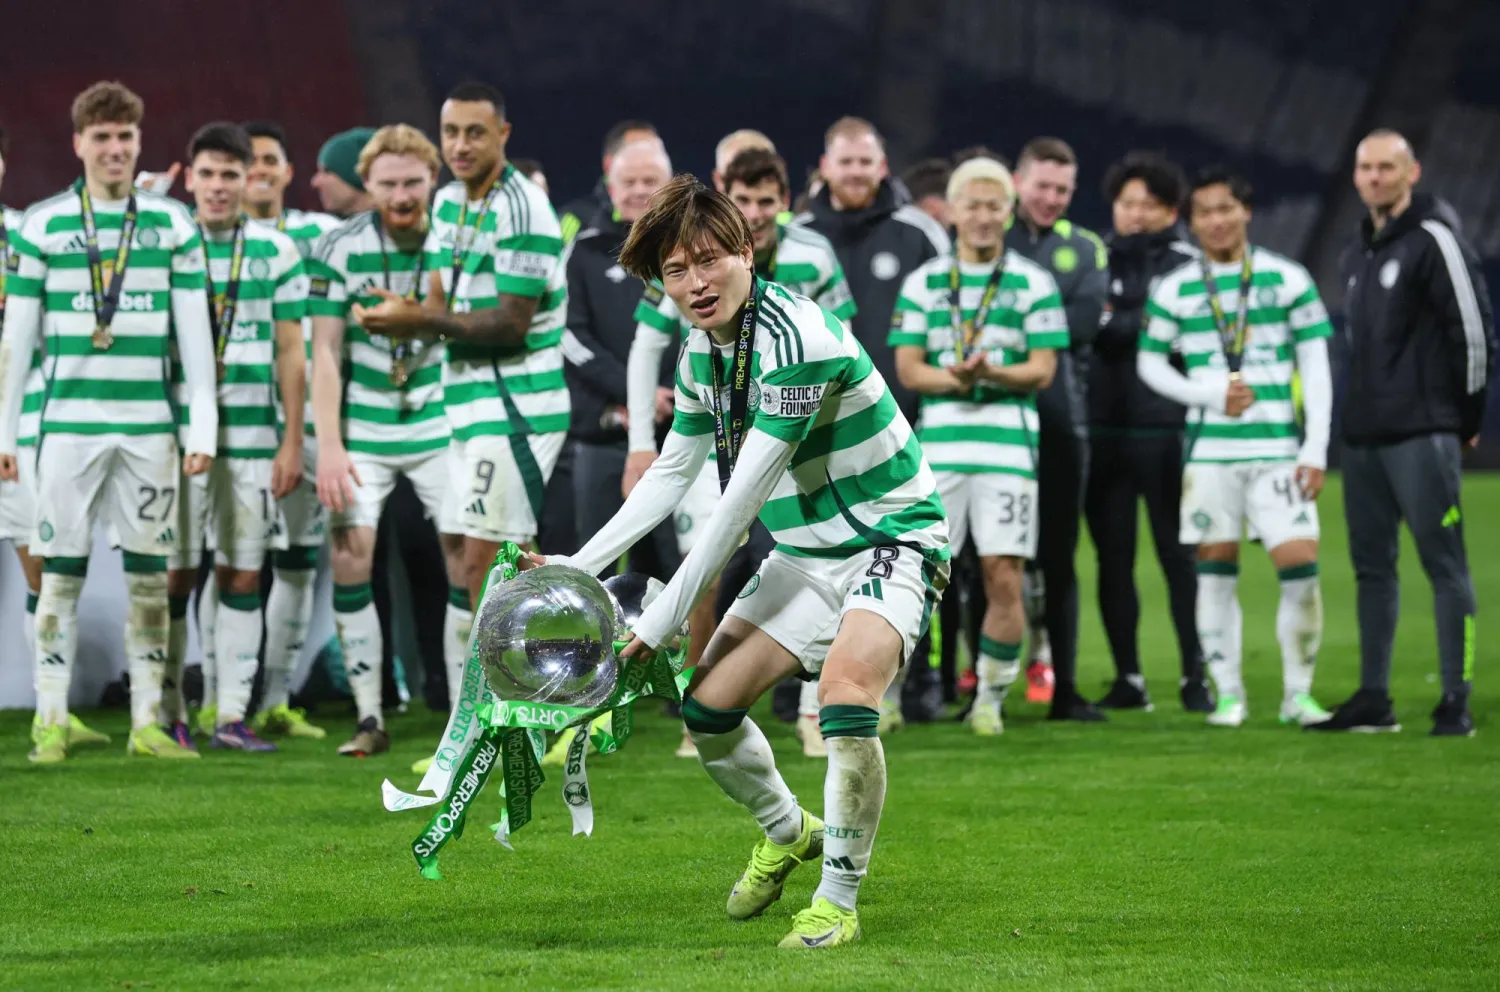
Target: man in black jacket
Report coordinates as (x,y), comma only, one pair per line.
(1422,346)
(1046,176)
(1136,435)
(602,301)
(877,234)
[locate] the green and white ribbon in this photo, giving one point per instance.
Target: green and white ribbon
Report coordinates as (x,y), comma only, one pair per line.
(484,732)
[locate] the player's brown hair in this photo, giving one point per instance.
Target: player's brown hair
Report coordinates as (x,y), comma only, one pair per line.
(107,103)
(852,127)
(1046,150)
(398,139)
(683,213)
(754,166)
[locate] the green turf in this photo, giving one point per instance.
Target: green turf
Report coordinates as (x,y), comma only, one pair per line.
(1151,852)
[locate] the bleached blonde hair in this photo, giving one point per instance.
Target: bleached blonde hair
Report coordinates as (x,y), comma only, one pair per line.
(984,169)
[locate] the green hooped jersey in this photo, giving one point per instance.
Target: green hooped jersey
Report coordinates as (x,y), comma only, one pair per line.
(858,478)
(379,417)
(990,429)
(306,229)
(122,389)
(1284,310)
(31,402)
(512,248)
(273,286)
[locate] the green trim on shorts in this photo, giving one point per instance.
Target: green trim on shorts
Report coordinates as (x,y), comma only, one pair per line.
(298,557)
(1293,572)
(245,602)
(143,564)
(31,599)
(848,721)
(352,598)
(77,567)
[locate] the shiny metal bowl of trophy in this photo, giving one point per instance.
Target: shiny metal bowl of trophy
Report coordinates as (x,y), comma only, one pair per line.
(632,593)
(547,636)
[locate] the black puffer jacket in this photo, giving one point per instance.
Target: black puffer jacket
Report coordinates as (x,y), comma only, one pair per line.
(1420,329)
(1118,401)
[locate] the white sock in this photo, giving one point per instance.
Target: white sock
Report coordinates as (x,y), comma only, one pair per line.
(208,605)
(1034,601)
(741,763)
(1299,627)
(359,636)
(173,706)
(807,702)
(56,644)
(148,629)
(457,626)
(237,646)
(1219,626)
(999,667)
(853,795)
(288,616)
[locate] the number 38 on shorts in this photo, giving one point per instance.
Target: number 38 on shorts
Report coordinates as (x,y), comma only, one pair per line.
(1219,499)
(999,509)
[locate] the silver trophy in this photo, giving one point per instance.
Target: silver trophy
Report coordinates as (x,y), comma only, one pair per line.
(632,593)
(547,636)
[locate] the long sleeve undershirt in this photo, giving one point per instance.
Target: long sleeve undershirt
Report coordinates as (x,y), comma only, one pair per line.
(642,375)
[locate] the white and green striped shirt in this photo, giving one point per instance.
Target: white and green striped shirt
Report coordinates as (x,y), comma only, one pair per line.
(306,229)
(990,429)
(513,248)
(122,389)
(379,417)
(858,478)
(1284,311)
(31,403)
(273,286)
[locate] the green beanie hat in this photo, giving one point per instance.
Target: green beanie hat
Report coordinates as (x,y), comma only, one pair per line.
(340,154)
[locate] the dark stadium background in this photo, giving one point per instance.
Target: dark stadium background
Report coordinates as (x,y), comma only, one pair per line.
(1279,88)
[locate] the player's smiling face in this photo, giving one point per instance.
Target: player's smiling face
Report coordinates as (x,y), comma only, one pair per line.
(979,214)
(853,166)
(473,137)
(270,172)
(217,182)
(109,151)
(760,204)
(708,283)
(1220,222)
(400,185)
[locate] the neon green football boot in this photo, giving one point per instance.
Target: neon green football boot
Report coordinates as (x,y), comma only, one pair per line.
(420,767)
(283,721)
(49,743)
(207,721)
(81,733)
(769,866)
(154,742)
(822,925)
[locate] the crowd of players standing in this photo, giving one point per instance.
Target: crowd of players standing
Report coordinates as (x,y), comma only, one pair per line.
(1100,423)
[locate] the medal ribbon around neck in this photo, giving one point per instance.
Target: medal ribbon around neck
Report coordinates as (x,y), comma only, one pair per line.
(223,304)
(401,351)
(106,289)
(965,333)
(462,246)
(729,434)
(1232,337)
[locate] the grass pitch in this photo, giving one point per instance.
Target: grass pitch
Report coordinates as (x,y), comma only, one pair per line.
(1148,852)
